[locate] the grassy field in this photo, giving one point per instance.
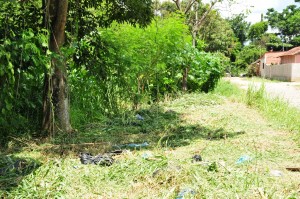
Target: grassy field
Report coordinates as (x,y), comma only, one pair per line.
(221,127)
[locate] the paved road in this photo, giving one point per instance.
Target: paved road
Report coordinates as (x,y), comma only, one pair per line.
(288,91)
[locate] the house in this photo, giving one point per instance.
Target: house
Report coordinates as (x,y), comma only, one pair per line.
(291,56)
(284,66)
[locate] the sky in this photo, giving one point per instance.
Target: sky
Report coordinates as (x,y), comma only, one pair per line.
(254,8)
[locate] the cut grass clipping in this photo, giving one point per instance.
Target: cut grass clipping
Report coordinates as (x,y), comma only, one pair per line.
(244,155)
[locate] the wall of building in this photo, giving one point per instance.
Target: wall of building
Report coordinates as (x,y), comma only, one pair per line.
(295,72)
(297,58)
(288,59)
(283,72)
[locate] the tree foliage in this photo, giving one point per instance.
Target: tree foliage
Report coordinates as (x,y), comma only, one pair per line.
(248,55)
(271,41)
(257,30)
(287,22)
(110,64)
(217,34)
(240,27)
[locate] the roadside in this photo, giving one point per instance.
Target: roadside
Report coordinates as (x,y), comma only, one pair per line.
(243,154)
(287,91)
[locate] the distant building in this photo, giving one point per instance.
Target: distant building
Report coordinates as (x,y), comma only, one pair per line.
(291,56)
(284,66)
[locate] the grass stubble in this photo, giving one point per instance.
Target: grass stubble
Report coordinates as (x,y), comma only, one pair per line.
(220,126)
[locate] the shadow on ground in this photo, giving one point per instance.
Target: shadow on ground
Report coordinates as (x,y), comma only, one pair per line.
(154,126)
(14,169)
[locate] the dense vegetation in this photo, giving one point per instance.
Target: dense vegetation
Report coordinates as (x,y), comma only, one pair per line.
(111,65)
(90,77)
(113,58)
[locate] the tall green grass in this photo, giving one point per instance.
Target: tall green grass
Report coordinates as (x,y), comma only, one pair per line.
(279,112)
(225,88)
(275,109)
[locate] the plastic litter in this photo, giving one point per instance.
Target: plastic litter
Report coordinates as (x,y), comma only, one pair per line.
(101,159)
(86,158)
(243,158)
(197,158)
(139,117)
(134,145)
(185,192)
(146,156)
(276,173)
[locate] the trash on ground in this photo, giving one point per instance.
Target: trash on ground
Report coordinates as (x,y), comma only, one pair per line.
(293,169)
(135,145)
(147,155)
(9,165)
(197,158)
(185,192)
(132,145)
(276,173)
(101,159)
(243,158)
(139,117)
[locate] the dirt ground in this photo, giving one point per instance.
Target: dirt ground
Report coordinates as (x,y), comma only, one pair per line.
(288,91)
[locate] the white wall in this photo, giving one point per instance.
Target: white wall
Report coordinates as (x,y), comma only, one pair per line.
(283,72)
(295,72)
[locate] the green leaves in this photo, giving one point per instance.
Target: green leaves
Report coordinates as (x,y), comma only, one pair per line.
(257,30)
(287,22)
(240,27)
(23,62)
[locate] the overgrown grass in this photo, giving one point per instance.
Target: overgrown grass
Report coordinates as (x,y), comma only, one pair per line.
(278,112)
(218,126)
(226,89)
(281,114)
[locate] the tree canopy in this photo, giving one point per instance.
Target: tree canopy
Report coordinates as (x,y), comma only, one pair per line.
(257,30)
(287,22)
(240,27)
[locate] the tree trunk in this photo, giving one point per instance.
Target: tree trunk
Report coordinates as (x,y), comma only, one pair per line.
(56,101)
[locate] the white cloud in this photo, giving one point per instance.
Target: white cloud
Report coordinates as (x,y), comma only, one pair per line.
(254,8)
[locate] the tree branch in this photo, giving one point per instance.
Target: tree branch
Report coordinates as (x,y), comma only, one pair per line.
(198,24)
(189,6)
(177,2)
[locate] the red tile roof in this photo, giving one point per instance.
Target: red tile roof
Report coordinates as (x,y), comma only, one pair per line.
(273,57)
(293,51)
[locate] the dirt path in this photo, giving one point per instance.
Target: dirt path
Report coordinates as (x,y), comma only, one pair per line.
(288,91)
